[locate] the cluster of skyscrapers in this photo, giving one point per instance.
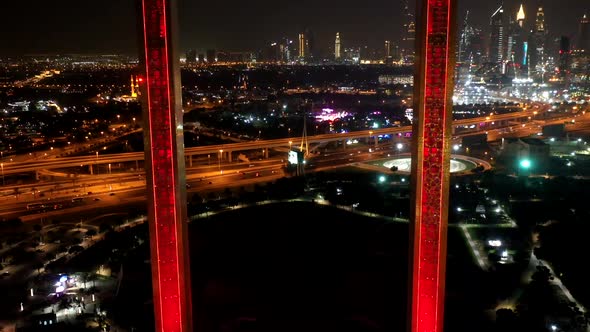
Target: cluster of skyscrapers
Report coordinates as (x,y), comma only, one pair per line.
(304,49)
(520,46)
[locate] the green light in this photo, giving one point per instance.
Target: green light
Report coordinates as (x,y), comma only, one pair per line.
(382,179)
(525,163)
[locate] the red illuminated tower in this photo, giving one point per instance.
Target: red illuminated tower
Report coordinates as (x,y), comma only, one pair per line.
(433,88)
(164,156)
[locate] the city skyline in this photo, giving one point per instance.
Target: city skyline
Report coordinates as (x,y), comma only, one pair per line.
(237,26)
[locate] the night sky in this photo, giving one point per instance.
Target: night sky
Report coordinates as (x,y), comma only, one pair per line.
(108,26)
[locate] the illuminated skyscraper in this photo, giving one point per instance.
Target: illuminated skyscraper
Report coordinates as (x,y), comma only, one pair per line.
(520,16)
(584,34)
(409,34)
(540,20)
(337,53)
(536,44)
(387,49)
(302,46)
(497,36)
(515,44)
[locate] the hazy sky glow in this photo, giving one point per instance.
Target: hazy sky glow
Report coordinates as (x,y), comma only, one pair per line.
(108,26)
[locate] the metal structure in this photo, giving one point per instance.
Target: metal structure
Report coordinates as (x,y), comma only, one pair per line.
(433,88)
(164,155)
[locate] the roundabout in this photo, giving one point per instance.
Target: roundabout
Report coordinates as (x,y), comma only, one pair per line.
(459,164)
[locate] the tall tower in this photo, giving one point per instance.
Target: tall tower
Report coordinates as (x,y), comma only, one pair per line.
(564,57)
(302,45)
(431,163)
(540,20)
(520,16)
(584,34)
(165,173)
(387,49)
(537,41)
(337,53)
(409,34)
(497,36)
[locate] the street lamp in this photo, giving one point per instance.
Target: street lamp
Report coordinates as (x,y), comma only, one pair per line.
(525,164)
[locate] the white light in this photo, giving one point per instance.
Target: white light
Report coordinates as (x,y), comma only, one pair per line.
(456,147)
(63,279)
(553,327)
(399,146)
(459,209)
(495,243)
(505,253)
(32,292)
(382,179)
(59,289)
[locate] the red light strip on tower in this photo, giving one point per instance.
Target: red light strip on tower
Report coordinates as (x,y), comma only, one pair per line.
(167,269)
(431,168)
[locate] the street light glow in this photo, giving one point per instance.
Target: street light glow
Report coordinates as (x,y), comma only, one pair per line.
(525,163)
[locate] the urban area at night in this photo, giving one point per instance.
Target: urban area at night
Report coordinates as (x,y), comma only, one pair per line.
(293,178)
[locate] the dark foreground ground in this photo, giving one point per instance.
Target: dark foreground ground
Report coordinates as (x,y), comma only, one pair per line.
(300,267)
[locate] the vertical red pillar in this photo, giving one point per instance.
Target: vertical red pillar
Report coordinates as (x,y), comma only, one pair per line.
(164,156)
(433,88)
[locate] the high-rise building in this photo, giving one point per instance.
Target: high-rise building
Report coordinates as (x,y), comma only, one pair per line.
(537,44)
(337,53)
(309,44)
(497,36)
(584,34)
(387,49)
(409,34)
(520,16)
(515,49)
(540,20)
(302,45)
(564,57)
